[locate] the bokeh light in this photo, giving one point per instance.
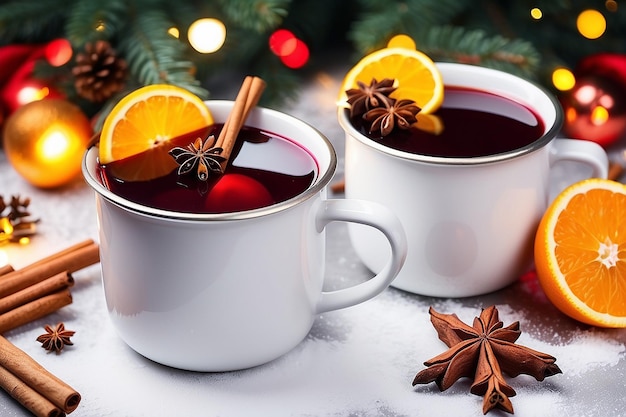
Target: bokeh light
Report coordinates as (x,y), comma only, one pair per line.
(599,115)
(100,26)
(30,93)
(282,42)
(207,35)
(174,32)
(536,13)
(563,79)
(591,24)
(611,5)
(298,58)
(58,52)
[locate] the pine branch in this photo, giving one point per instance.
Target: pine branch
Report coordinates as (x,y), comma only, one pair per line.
(456,44)
(23,21)
(381,20)
(90,20)
(153,56)
(283,83)
(258,15)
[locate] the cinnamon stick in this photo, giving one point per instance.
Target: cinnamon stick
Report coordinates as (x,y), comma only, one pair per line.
(35,376)
(70,261)
(34,310)
(247,98)
(6,269)
(61,253)
(48,286)
(28,397)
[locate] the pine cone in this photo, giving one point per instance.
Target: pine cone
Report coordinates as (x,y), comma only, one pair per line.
(98,73)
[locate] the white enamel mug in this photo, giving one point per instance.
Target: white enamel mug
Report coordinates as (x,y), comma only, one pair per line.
(470,222)
(220,292)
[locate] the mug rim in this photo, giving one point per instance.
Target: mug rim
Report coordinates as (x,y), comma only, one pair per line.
(543,140)
(90,160)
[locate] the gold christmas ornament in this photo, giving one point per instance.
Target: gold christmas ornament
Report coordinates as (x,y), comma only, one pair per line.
(45,140)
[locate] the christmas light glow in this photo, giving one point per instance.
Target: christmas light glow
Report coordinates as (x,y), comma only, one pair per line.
(207,35)
(58,149)
(536,13)
(563,79)
(54,144)
(29,93)
(591,24)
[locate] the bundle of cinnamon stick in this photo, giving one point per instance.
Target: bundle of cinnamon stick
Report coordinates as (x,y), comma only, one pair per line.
(28,294)
(42,287)
(32,385)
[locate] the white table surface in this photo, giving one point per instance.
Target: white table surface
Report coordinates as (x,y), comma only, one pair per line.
(356,362)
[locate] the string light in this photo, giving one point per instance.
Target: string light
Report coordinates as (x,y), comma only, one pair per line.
(207,35)
(536,13)
(563,79)
(591,24)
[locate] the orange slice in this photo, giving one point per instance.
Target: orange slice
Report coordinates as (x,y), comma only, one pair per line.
(416,75)
(580,252)
(144,121)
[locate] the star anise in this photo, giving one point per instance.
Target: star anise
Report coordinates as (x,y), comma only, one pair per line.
(400,113)
(56,338)
(483,351)
(201,156)
(367,97)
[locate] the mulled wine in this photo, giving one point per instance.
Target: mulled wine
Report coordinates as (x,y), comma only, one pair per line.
(264,169)
(476,123)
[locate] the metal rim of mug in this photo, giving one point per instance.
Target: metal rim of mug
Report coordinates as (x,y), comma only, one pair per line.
(318,185)
(539,143)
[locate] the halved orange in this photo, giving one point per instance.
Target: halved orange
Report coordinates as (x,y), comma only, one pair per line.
(580,252)
(416,75)
(144,121)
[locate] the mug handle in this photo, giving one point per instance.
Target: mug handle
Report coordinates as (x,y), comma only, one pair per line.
(374,215)
(584,151)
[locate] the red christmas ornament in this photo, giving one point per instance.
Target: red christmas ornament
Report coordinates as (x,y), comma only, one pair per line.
(595,109)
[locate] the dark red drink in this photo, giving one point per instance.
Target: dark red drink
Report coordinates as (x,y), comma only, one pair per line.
(476,123)
(264,169)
